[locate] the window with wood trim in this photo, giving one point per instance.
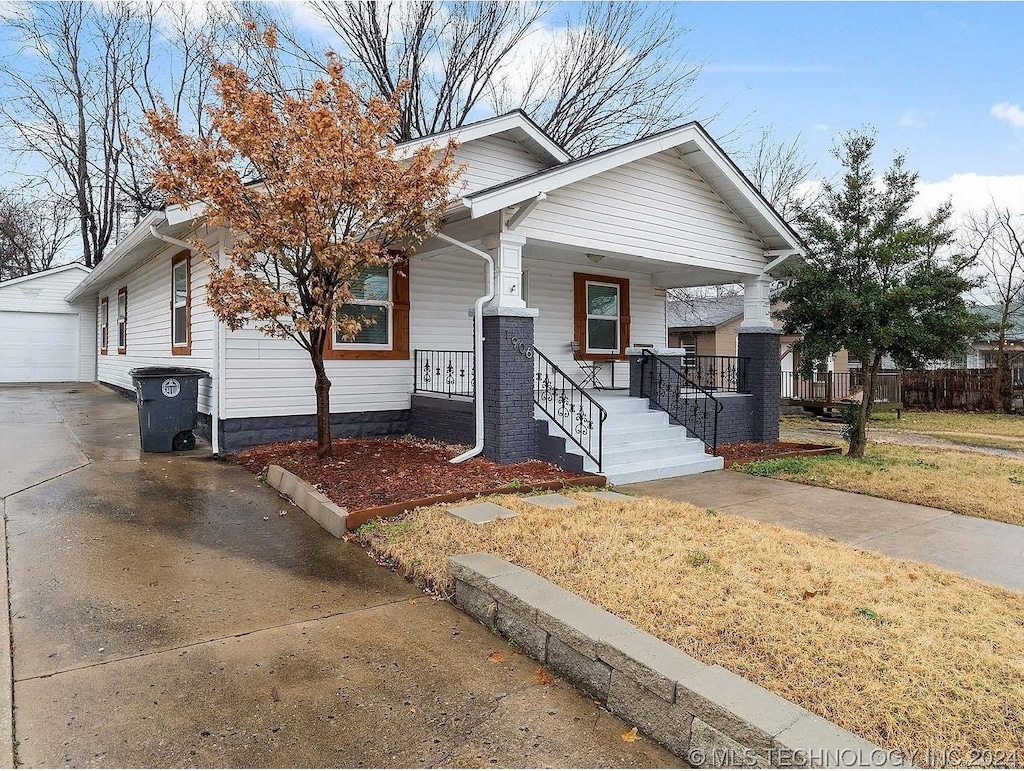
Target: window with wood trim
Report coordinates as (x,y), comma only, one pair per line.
(601,315)
(104,325)
(181,305)
(380,297)
(122,320)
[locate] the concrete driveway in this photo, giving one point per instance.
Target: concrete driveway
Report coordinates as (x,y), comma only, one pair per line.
(171,611)
(980,548)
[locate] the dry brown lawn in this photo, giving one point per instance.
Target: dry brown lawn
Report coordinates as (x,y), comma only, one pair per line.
(904,654)
(963,482)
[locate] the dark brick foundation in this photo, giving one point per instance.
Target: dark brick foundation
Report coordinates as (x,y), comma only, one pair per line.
(509,433)
(446,420)
(552,449)
(239,433)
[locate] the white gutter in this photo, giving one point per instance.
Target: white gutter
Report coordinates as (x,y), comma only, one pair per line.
(109,263)
(478,346)
(215,400)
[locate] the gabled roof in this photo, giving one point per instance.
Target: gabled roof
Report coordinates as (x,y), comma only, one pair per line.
(1015,325)
(703,312)
(40,274)
(515,125)
(694,145)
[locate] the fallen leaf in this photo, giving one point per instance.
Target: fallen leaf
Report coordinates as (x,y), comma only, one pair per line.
(543,677)
(630,735)
(496,657)
(412,710)
(266,519)
(274,694)
(808,594)
(282,512)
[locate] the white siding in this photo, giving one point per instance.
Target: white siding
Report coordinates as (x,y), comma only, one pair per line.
(45,294)
(149,324)
(551,292)
(268,376)
(491,161)
(656,207)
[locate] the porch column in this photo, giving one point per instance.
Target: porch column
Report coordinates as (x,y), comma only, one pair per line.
(507,251)
(760,343)
(510,430)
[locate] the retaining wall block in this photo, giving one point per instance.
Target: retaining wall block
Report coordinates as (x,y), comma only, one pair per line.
(522,633)
(593,676)
(669,724)
(479,568)
(710,748)
(476,603)
(742,710)
(817,743)
(651,662)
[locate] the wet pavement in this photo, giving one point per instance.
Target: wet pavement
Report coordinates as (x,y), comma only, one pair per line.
(980,548)
(170,610)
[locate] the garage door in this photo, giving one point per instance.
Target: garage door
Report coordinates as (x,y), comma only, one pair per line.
(38,347)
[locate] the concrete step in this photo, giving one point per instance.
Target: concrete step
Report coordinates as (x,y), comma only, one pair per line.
(645,471)
(653,452)
(644,435)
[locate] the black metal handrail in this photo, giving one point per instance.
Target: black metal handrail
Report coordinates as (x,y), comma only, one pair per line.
(443,372)
(717,373)
(685,401)
(575,411)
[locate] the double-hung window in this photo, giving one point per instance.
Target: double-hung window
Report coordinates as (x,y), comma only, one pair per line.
(372,305)
(122,320)
(603,317)
(600,316)
(104,325)
(181,295)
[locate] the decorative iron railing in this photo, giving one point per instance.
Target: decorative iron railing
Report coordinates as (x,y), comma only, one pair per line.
(443,372)
(575,411)
(688,403)
(717,373)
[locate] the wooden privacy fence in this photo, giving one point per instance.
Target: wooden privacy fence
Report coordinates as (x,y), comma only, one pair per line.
(941,389)
(956,389)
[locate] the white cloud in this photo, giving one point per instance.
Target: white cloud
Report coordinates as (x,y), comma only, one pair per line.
(915,118)
(1011,113)
(820,126)
(971,192)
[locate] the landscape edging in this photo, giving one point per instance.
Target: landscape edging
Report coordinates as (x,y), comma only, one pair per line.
(705,715)
(329,515)
(336,519)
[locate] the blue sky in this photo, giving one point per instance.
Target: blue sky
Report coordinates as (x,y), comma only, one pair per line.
(926,76)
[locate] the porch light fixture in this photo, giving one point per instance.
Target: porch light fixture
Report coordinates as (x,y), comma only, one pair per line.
(595,258)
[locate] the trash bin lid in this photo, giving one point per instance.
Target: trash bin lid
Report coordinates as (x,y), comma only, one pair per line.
(167,372)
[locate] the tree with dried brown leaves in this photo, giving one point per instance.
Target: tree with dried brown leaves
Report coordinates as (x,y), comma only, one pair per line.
(331,198)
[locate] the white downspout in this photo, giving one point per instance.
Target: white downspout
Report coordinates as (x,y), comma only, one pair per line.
(215,399)
(478,346)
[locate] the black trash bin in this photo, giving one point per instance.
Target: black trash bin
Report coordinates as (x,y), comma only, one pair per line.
(168,399)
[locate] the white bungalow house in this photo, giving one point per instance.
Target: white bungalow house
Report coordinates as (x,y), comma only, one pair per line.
(582,251)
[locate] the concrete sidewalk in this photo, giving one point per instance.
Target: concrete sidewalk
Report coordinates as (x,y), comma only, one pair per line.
(169,610)
(981,548)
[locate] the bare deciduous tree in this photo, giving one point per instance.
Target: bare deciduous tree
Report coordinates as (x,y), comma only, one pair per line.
(612,71)
(778,168)
(995,236)
(68,106)
(32,234)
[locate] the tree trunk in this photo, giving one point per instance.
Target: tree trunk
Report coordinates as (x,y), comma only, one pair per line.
(323,401)
(859,440)
(999,405)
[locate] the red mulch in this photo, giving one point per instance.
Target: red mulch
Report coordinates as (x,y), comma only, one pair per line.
(364,473)
(751,451)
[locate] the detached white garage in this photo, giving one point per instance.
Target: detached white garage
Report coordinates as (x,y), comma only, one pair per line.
(43,337)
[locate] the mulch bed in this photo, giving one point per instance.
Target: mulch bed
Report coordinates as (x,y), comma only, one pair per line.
(366,473)
(747,452)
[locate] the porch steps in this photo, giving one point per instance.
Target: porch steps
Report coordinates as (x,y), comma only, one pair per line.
(640,444)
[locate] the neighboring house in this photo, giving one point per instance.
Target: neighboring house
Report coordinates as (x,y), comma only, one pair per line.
(43,338)
(583,251)
(709,326)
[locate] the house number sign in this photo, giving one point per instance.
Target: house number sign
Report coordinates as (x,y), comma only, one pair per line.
(170,388)
(524,349)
